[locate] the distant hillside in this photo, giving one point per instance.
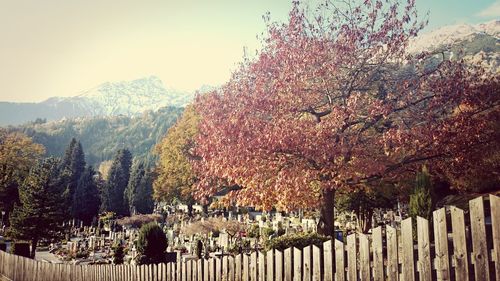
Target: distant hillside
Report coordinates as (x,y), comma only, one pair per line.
(129,98)
(101,137)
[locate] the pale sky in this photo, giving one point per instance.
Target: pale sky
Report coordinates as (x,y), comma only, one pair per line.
(62,47)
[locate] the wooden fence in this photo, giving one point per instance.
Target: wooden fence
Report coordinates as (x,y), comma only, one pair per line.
(456,248)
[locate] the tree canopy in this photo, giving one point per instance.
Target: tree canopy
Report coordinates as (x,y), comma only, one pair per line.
(175,176)
(335,101)
(41,210)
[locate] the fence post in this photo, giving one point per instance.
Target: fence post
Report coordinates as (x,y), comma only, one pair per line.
(364,257)
(495,223)
(297,261)
(424,250)
(392,254)
(352,270)
(479,246)
(441,245)
(460,252)
(408,259)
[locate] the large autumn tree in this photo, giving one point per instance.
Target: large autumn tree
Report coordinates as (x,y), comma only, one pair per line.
(175,176)
(334,101)
(18,153)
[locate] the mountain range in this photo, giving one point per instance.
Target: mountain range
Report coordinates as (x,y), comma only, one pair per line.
(128,98)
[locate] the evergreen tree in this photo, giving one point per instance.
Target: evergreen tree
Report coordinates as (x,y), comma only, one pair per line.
(72,168)
(40,213)
(421,203)
(151,244)
(114,191)
(139,193)
(86,199)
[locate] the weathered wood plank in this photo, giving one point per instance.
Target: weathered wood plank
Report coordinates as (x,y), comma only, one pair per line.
(441,261)
(306,269)
(316,263)
(225,268)
(270,265)
(378,255)
(278,259)
(246,268)
(392,254)
(424,250)
(218,269)
(339,260)
(364,257)
(230,261)
(479,242)
(253,266)
(328,261)
(297,261)
(288,264)
(408,258)
(262,266)
(237,269)
(460,253)
(352,269)
(495,227)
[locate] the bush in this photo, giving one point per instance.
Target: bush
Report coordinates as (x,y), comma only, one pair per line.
(20,249)
(3,246)
(253,231)
(421,199)
(118,254)
(298,240)
(267,232)
(151,244)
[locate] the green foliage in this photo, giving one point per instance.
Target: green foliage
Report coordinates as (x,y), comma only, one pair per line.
(72,168)
(139,191)
(298,240)
(118,253)
(253,231)
(113,196)
(421,203)
(101,137)
(151,244)
(18,154)
(86,199)
(20,249)
(41,210)
(267,232)
(364,200)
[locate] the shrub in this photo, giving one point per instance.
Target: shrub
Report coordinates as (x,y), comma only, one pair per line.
(421,199)
(253,231)
(3,246)
(20,249)
(118,254)
(151,244)
(267,232)
(298,240)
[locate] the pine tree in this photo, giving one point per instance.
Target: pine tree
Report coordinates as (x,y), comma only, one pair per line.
(86,199)
(114,192)
(421,202)
(139,193)
(40,213)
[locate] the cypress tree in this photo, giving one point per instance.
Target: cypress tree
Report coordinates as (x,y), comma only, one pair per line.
(40,213)
(86,199)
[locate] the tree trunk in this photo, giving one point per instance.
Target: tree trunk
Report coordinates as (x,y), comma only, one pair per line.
(34,242)
(327,217)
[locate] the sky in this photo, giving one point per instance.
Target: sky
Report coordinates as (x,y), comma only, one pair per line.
(63,47)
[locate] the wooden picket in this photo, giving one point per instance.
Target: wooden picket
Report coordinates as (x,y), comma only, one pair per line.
(440,255)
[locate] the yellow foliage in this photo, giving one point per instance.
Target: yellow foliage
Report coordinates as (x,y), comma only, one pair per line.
(175,175)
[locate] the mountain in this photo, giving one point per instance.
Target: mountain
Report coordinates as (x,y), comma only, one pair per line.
(127,98)
(102,136)
(478,44)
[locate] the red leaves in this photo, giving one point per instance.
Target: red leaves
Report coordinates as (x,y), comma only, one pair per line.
(334,109)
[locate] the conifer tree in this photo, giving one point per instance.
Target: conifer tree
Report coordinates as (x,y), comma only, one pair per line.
(72,168)
(86,199)
(113,194)
(421,199)
(139,190)
(40,213)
